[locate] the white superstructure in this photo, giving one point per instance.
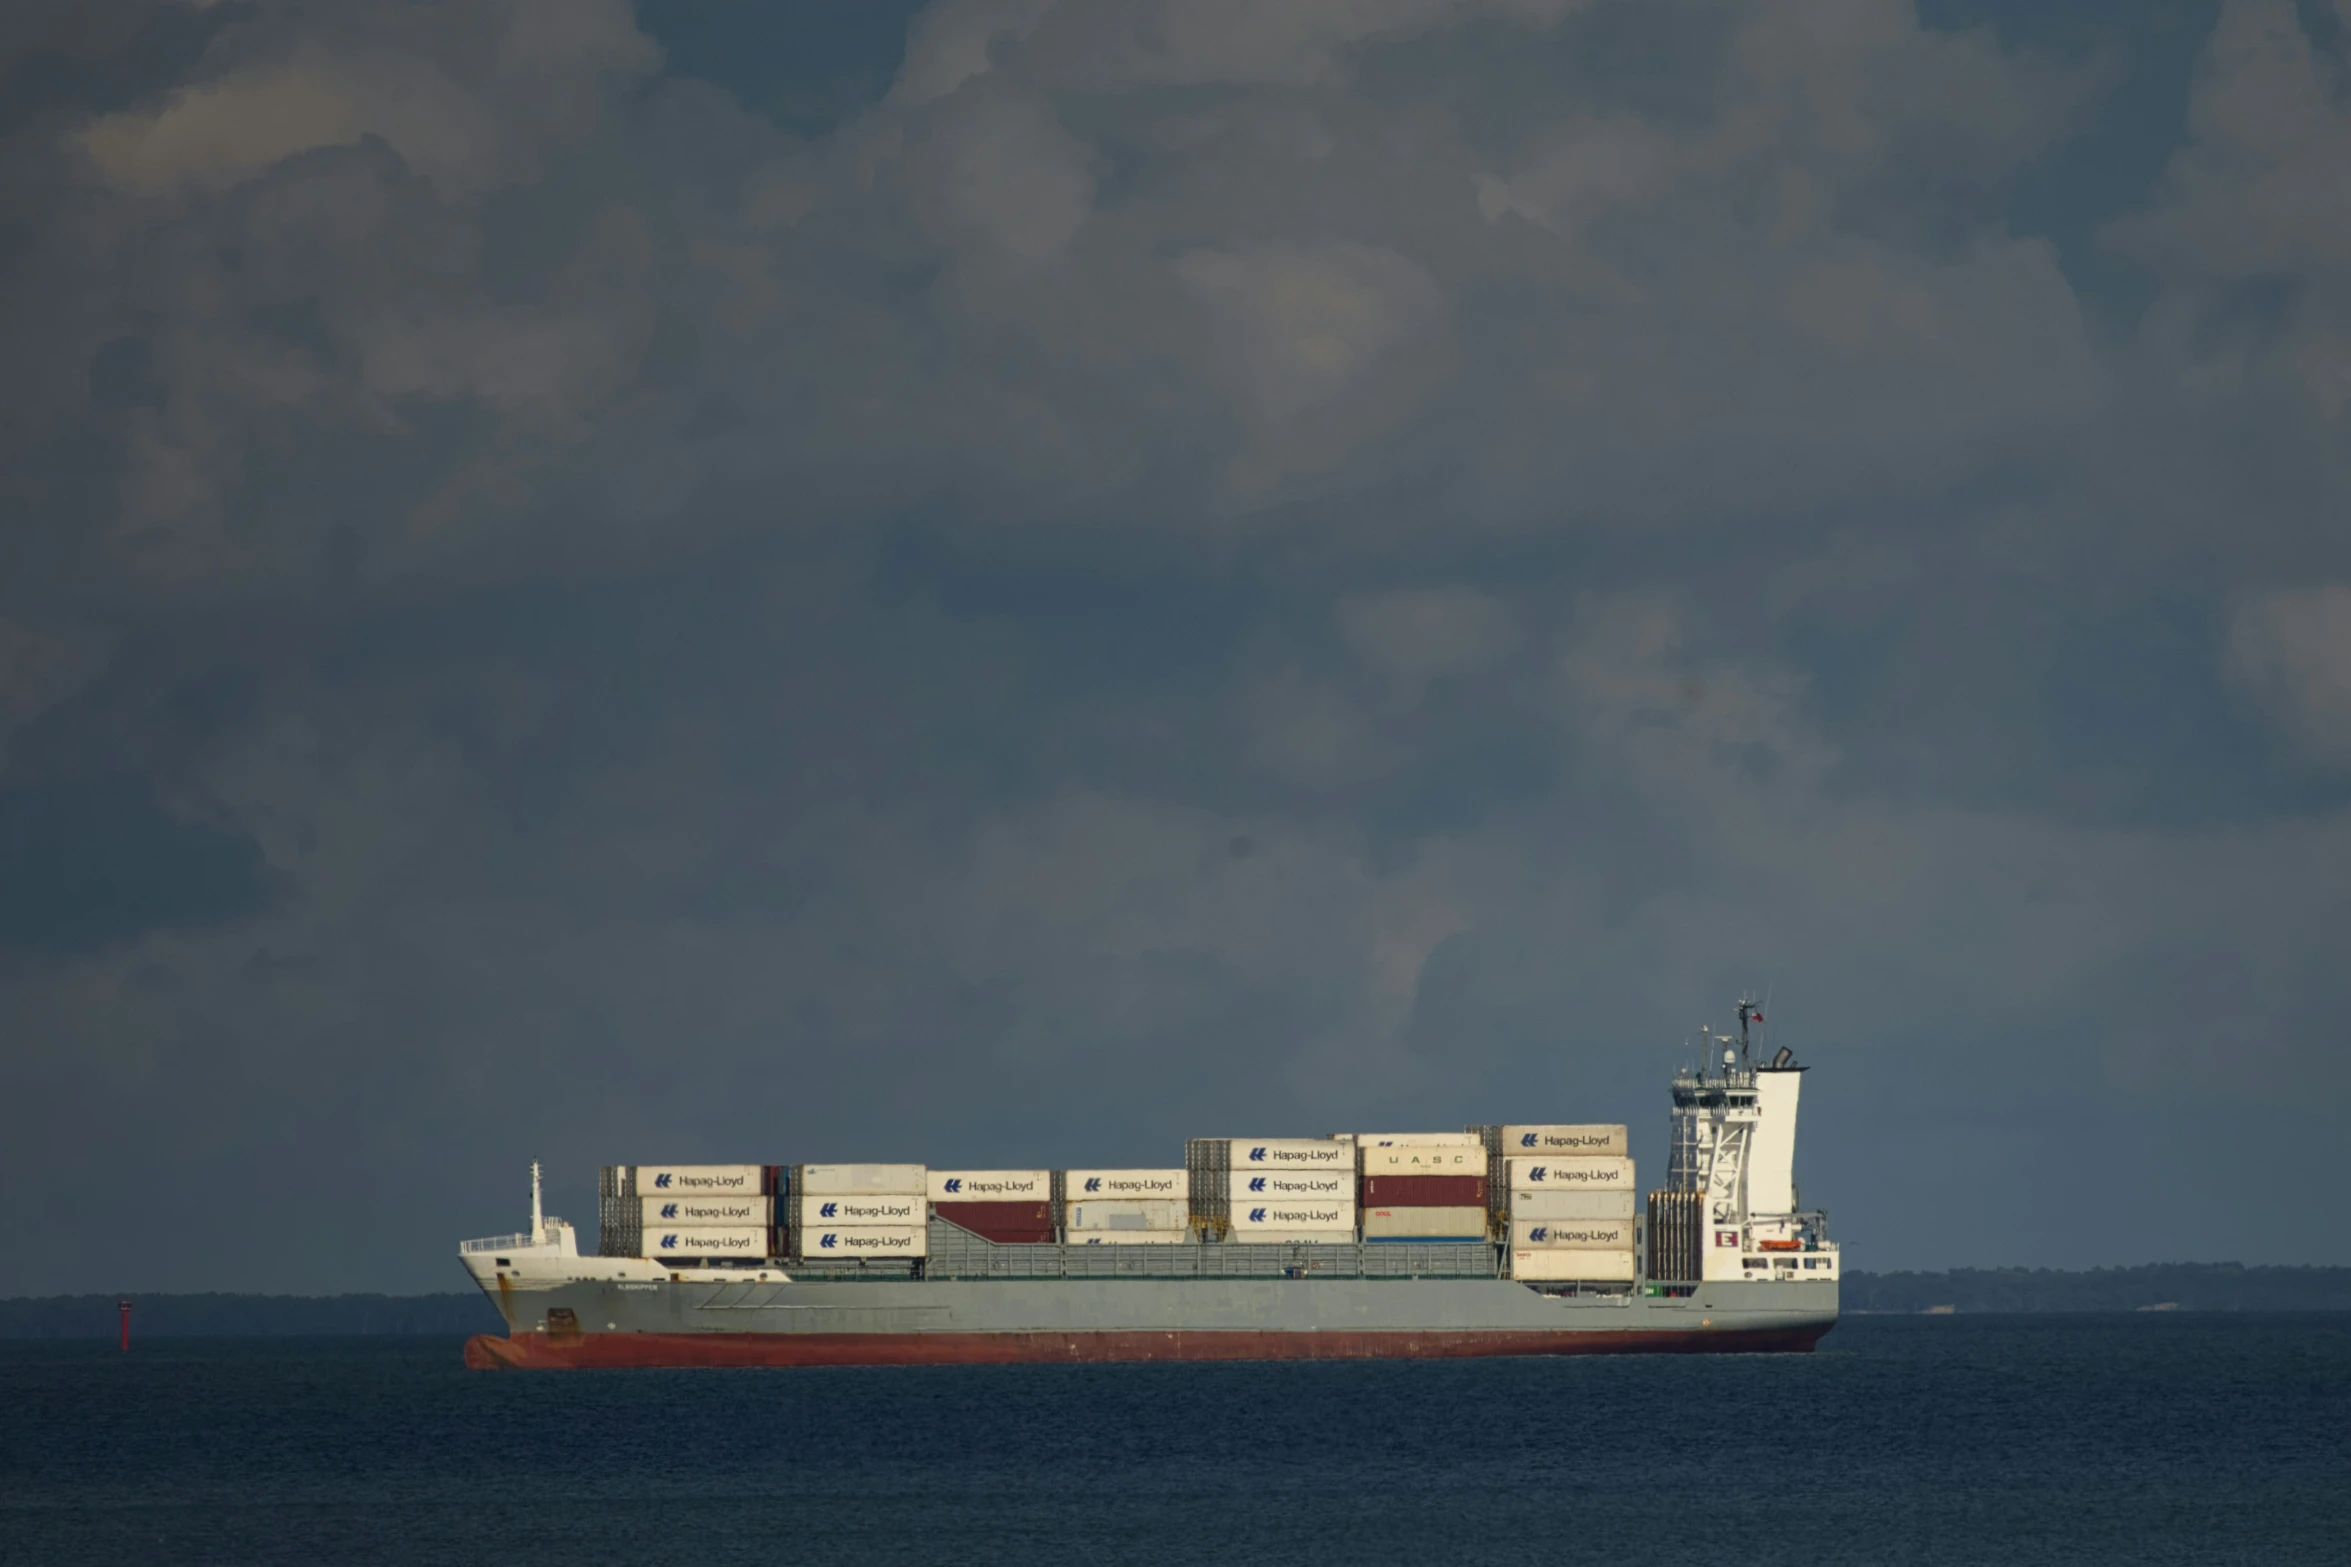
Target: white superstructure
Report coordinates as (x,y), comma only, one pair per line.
(1734,1142)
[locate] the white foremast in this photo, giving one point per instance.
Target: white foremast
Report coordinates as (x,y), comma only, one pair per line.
(1734,1139)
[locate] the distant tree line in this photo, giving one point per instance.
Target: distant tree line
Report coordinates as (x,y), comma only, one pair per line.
(248,1316)
(2183,1286)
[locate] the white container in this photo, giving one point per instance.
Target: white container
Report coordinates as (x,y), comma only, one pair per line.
(1122,1214)
(1293,1185)
(864,1240)
(1590,1267)
(1292,1216)
(1291,1153)
(689,1240)
(1292,1237)
(670,1212)
(699,1180)
(991,1185)
(1385,1222)
(1425,1159)
(1131,1238)
(1566,1142)
(835,1180)
(1580,1175)
(1085,1185)
(1571,1234)
(1553,1204)
(890,1208)
(1370,1140)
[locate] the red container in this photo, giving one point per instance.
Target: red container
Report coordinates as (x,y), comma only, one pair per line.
(1424,1191)
(1007,1223)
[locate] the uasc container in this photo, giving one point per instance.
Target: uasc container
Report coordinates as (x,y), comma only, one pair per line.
(1467,1223)
(1126,1214)
(862,1208)
(856,1241)
(701,1180)
(1087,1185)
(1425,1159)
(837,1180)
(1548,1174)
(1370,1140)
(1566,1142)
(1571,1234)
(991,1185)
(708,1240)
(1293,1185)
(737,1211)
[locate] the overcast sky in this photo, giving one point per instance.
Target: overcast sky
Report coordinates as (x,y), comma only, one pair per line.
(1009,581)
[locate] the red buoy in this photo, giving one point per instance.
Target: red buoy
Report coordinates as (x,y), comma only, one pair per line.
(125,1308)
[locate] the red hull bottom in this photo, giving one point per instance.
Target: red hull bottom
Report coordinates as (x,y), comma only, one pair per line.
(538,1351)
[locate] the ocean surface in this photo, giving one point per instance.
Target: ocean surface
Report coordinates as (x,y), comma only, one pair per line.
(2089,1439)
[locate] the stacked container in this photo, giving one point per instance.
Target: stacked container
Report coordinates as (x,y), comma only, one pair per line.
(1012,1207)
(1423,1186)
(1124,1207)
(1570,1196)
(860,1211)
(706,1211)
(1288,1190)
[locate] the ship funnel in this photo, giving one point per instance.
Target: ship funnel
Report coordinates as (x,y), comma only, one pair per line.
(1784,1056)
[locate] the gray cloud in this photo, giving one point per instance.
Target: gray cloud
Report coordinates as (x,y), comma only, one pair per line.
(1182,568)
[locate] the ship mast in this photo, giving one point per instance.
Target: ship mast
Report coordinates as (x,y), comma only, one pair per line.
(538,1224)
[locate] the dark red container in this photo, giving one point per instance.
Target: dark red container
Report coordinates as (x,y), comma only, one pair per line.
(1424,1191)
(1008,1223)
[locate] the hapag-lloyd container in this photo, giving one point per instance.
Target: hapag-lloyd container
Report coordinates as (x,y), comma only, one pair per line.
(1370,1140)
(1293,1185)
(1124,1214)
(1546,1174)
(864,1241)
(991,1185)
(1131,1238)
(1291,1153)
(1291,1237)
(835,1180)
(1449,1223)
(1584,1267)
(1089,1185)
(1571,1234)
(700,1180)
(1250,1217)
(1552,1204)
(739,1211)
(1424,1191)
(707,1240)
(1566,1142)
(1425,1159)
(893,1208)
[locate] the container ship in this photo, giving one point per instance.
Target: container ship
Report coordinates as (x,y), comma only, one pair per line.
(1494,1240)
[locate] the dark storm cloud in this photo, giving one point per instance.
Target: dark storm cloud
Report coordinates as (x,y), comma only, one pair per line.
(624,585)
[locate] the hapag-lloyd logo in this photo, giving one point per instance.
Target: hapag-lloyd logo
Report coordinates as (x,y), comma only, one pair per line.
(1570,1143)
(668,1179)
(1545,1232)
(1331,1154)
(957,1186)
(1301,1218)
(1131,1186)
(1576,1173)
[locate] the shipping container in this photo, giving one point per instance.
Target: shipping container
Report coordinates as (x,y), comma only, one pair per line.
(1291,1153)
(1131,1238)
(1550,1204)
(991,1185)
(701,1180)
(839,1180)
(1381,1223)
(1546,1174)
(1370,1140)
(1089,1185)
(1426,1159)
(1571,1234)
(1007,1222)
(862,1208)
(1249,1237)
(739,1211)
(1250,1217)
(1424,1191)
(853,1241)
(709,1240)
(1125,1214)
(1585,1267)
(1566,1142)
(1293,1185)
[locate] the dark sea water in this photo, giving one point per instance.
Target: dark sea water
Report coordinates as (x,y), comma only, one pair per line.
(2134,1439)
